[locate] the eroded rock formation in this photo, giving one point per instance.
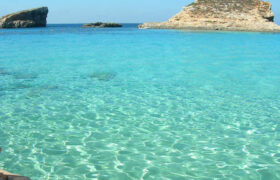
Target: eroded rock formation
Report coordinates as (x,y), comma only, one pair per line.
(26,19)
(234,15)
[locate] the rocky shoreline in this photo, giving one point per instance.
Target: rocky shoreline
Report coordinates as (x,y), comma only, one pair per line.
(223,15)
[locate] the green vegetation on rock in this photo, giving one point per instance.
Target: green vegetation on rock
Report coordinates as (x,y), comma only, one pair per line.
(101,25)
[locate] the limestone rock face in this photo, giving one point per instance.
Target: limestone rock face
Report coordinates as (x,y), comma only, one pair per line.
(233,15)
(26,19)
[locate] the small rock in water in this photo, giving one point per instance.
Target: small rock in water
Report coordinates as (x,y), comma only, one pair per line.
(39,90)
(3,72)
(103,76)
(48,87)
(102,25)
(21,86)
(22,76)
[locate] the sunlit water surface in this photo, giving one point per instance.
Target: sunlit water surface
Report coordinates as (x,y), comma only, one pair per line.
(139,104)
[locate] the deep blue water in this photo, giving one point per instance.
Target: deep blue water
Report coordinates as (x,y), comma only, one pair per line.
(125,103)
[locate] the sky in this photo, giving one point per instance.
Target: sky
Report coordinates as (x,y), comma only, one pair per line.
(123,11)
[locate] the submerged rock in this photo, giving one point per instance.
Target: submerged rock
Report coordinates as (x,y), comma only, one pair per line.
(231,15)
(22,76)
(101,25)
(25,19)
(48,87)
(39,90)
(19,86)
(3,72)
(18,75)
(103,76)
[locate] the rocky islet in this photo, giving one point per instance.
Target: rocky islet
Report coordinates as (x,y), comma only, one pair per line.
(226,15)
(36,17)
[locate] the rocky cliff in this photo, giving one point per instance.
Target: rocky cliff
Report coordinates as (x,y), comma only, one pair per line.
(231,15)
(25,19)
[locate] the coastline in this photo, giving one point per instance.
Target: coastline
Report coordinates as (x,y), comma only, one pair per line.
(182,26)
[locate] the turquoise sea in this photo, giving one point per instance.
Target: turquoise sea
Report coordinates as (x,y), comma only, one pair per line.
(121,104)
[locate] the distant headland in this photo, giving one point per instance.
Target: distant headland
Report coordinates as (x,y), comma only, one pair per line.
(226,15)
(36,17)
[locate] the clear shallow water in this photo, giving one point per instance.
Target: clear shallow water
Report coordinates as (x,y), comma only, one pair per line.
(139,104)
